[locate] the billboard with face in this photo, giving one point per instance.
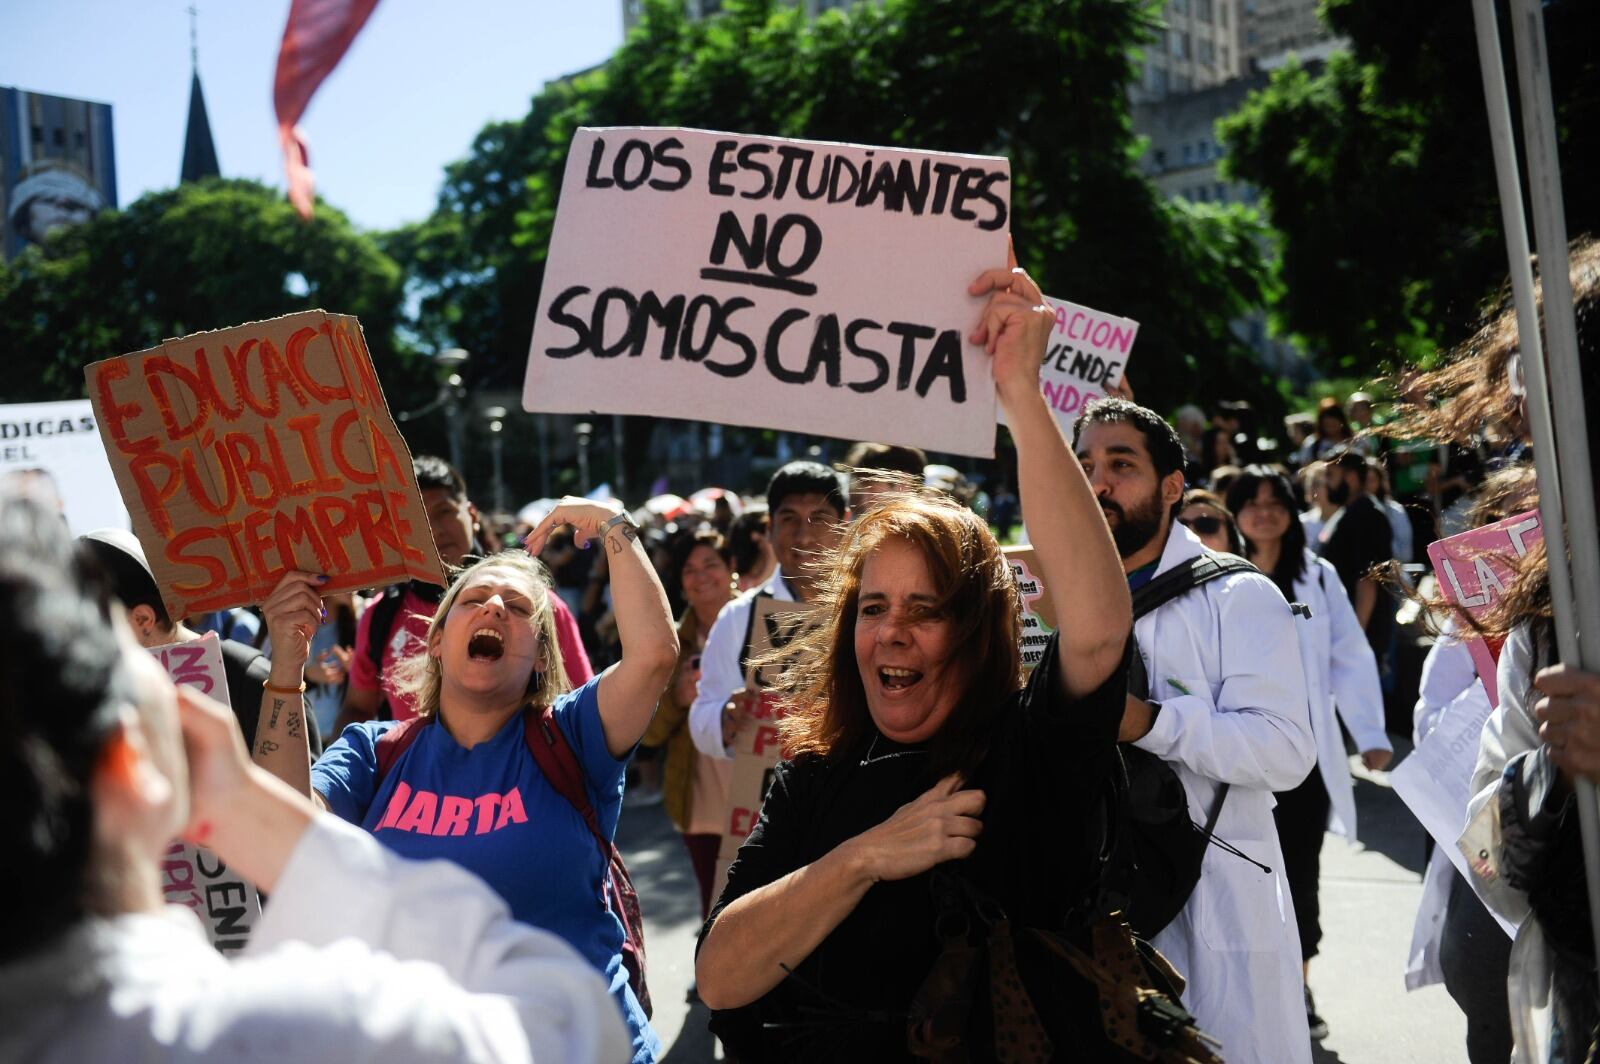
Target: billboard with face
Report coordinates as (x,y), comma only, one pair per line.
(57,165)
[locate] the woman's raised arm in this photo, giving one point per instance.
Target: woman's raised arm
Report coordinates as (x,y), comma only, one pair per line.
(630,689)
(1065,524)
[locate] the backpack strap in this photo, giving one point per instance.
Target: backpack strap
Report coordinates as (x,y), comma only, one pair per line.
(394,742)
(555,758)
(1175,583)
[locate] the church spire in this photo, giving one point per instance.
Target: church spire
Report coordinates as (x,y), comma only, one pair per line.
(199,150)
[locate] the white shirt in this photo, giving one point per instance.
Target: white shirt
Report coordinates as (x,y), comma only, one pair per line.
(1447,671)
(720,674)
(1342,677)
(361,956)
(1224,662)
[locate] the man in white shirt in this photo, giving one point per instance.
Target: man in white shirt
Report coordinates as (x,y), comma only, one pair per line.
(1228,705)
(806,501)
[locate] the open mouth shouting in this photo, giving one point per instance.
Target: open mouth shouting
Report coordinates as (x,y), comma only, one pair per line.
(894,679)
(486,644)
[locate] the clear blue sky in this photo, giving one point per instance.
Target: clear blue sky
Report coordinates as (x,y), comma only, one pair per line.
(418,83)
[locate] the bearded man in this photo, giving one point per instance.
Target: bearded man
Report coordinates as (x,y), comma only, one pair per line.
(1227,709)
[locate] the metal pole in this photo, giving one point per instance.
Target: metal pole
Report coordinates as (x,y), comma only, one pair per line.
(582,430)
(619,478)
(1555,399)
(1533,359)
(496,416)
(544,455)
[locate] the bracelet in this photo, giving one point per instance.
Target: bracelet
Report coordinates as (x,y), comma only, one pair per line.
(275,689)
(620,519)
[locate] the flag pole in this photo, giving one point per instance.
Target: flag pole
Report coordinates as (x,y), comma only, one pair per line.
(1555,388)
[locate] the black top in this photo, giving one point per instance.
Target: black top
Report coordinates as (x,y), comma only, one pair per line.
(1048,764)
(1358,538)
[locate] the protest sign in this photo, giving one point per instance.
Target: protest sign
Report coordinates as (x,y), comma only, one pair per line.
(1087,356)
(246,452)
(192,876)
(774,624)
(786,284)
(1474,568)
(52,452)
(1435,779)
(1038,613)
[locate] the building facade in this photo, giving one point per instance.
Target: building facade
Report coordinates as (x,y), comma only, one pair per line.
(57,165)
(1268,29)
(1197,48)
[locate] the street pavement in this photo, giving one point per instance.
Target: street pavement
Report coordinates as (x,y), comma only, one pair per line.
(1369,899)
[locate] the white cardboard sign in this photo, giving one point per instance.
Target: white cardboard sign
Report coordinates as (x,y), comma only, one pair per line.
(227,904)
(1435,780)
(53,451)
(797,285)
(1088,354)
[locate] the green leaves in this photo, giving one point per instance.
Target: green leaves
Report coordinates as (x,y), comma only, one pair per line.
(201,256)
(1041,81)
(1377,172)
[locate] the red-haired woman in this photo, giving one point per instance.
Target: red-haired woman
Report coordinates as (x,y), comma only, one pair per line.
(934,809)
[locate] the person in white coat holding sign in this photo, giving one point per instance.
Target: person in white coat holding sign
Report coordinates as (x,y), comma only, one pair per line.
(1341,674)
(1228,705)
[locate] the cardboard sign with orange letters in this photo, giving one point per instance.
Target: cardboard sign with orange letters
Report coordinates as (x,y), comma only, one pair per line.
(246,452)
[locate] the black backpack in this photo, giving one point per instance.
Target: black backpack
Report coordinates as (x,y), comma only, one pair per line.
(1156,849)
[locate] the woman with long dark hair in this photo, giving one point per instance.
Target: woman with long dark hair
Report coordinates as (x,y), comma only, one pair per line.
(1341,674)
(912,887)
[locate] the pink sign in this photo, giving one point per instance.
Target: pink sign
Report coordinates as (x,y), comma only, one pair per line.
(1474,568)
(1087,356)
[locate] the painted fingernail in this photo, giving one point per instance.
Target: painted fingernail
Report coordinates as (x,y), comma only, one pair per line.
(323,578)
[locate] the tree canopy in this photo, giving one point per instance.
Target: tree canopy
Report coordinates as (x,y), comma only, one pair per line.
(204,255)
(1041,81)
(1377,173)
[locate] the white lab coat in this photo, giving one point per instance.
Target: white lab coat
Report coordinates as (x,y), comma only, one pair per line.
(361,956)
(720,674)
(1510,731)
(1224,662)
(1449,685)
(1342,675)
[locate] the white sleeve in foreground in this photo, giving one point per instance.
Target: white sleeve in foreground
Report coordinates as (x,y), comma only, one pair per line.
(424,958)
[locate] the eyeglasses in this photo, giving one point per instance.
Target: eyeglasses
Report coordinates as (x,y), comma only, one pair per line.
(1205,526)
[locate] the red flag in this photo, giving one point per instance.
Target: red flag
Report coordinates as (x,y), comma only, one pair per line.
(314,40)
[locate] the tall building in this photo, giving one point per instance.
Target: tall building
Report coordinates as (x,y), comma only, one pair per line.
(1268,29)
(57,165)
(1197,48)
(199,150)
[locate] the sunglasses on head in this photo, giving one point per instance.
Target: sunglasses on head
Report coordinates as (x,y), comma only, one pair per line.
(1205,526)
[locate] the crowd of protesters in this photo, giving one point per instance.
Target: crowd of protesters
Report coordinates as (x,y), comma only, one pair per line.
(1233,642)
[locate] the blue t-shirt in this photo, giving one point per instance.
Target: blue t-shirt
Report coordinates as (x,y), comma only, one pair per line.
(490,810)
